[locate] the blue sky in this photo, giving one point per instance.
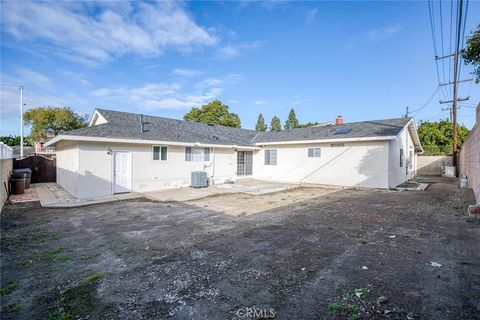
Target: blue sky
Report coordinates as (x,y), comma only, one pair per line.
(362,60)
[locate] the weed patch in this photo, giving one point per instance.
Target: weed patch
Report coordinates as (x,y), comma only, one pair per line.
(8,289)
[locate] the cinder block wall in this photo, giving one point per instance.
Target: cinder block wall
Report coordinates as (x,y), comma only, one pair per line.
(432,165)
(470,158)
(6,166)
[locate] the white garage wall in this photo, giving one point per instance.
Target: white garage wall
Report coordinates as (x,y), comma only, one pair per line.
(397,174)
(357,164)
(95,168)
(67,165)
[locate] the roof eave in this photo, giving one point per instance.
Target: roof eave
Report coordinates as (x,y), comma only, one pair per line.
(143,141)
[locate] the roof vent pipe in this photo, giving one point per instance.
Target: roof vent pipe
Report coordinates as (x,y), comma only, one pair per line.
(339,120)
(141,124)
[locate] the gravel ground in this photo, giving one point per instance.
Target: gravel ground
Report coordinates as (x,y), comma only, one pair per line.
(351,254)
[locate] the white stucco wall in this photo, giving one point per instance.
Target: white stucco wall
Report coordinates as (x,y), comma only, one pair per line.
(67,165)
(95,168)
(397,174)
(357,164)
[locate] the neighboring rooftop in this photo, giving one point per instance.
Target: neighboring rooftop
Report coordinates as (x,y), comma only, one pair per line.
(124,125)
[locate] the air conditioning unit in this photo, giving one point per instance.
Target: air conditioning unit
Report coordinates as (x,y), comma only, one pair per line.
(199,179)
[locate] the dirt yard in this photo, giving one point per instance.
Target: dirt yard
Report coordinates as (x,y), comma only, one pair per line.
(348,254)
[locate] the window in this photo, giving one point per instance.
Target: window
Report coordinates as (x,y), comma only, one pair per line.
(314,152)
(337,145)
(271,157)
(197,154)
(401,157)
(410,159)
(160,153)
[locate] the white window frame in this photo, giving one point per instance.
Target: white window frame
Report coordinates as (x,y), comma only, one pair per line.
(159,154)
(270,163)
(314,153)
(197,158)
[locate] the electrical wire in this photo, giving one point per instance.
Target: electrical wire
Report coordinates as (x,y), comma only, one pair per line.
(417,111)
(441,41)
(45,96)
(463,39)
(431,11)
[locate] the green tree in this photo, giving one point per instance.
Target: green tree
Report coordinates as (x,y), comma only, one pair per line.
(308,124)
(436,137)
(261,126)
(292,121)
(471,54)
(214,112)
(275,124)
(11,140)
(46,122)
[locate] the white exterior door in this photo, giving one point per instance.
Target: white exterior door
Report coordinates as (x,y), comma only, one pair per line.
(121,171)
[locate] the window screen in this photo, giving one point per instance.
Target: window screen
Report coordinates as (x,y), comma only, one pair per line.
(197,154)
(401,157)
(271,157)
(160,153)
(314,152)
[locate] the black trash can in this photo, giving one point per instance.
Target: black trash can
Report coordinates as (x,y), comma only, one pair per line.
(18,184)
(23,173)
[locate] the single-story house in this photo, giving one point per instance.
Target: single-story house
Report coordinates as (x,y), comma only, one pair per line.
(122,152)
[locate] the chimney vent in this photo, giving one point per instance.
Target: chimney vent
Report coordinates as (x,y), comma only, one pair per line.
(339,120)
(142,129)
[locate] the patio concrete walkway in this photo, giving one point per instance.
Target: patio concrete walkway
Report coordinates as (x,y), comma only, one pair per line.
(52,195)
(248,186)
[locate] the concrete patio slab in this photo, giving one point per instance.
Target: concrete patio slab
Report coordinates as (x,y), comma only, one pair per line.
(51,195)
(248,186)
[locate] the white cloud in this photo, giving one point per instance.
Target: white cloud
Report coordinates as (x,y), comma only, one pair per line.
(30,77)
(154,96)
(186,72)
(10,99)
(74,30)
(233,51)
(77,77)
(382,33)
(312,15)
(260,102)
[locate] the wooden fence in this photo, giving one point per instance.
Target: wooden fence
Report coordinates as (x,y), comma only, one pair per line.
(43,168)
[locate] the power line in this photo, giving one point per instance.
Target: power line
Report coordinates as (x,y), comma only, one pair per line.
(441,40)
(463,36)
(417,111)
(45,96)
(431,11)
(451,28)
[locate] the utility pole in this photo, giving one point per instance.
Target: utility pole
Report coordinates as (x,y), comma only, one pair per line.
(455,86)
(21,121)
(455,89)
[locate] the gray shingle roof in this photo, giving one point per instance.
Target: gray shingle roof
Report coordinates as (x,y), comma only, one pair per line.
(375,128)
(127,126)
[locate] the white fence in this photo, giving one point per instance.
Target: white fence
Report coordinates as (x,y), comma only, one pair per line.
(5,151)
